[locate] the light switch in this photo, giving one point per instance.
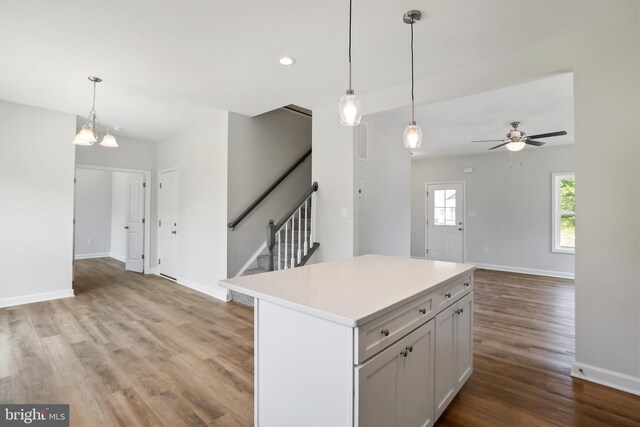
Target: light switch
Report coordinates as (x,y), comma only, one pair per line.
(344,213)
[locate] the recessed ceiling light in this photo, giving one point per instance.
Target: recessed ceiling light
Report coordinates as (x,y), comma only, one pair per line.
(286,60)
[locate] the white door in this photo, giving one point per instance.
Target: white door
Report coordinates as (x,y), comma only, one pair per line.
(445,222)
(445,370)
(464,339)
(417,378)
(135,226)
(168,223)
(377,390)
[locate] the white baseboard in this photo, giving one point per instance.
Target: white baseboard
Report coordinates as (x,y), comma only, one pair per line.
(28,299)
(153,270)
(96,255)
(118,257)
(216,292)
(560,274)
(606,377)
(417,257)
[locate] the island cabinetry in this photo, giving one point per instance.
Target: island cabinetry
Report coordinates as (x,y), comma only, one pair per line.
(394,388)
(453,351)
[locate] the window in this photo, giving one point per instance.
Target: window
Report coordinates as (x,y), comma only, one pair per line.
(444,207)
(564,212)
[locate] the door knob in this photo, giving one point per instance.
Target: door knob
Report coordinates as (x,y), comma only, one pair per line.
(460,229)
(126,227)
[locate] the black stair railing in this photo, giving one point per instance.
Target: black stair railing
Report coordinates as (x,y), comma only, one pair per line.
(293,235)
(233,224)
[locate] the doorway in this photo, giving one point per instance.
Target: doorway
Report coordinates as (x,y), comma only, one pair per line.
(111,207)
(444,222)
(168,212)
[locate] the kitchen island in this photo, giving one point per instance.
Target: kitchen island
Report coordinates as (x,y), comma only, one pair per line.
(366,341)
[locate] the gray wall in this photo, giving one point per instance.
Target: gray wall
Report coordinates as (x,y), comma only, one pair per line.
(261,148)
(512,199)
(36,194)
(383,222)
(93,213)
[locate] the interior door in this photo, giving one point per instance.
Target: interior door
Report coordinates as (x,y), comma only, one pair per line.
(417,378)
(445,222)
(135,226)
(168,217)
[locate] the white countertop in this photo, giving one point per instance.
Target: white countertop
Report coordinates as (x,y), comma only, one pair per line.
(350,291)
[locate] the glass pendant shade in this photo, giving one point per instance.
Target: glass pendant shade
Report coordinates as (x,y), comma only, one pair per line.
(412,136)
(350,109)
(109,141)
(85,137)
(515,146)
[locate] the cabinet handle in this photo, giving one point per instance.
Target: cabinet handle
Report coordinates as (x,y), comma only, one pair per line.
(404,353)
(457,311)
(423,311)
(410,348)
(385,332)
(448,295)
(461,310)
(466,284)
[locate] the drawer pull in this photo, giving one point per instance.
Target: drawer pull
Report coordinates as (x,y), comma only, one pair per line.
(385,332)
(423,311)
(448,295)
(410,348)
(466,284)
(404,353)
(461,310)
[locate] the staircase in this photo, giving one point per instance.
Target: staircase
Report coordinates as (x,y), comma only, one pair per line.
(290,243)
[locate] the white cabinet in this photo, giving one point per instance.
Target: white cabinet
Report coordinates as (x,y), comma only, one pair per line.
(454,351)
(395,388)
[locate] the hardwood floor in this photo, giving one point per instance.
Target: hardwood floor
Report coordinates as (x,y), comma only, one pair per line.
(134,350)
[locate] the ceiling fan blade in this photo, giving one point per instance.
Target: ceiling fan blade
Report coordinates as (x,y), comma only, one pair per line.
(498,146)
(536,143)
(547,135)
(490,140)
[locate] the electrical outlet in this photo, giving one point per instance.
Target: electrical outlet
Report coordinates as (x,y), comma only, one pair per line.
(485,249)
(344,213)
(89,241)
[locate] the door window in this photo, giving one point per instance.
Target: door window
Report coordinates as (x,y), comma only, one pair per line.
(444,207)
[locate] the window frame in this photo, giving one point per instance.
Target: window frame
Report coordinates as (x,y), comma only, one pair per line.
(556,213)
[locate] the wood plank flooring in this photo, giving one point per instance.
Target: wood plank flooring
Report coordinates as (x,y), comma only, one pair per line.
(134,350)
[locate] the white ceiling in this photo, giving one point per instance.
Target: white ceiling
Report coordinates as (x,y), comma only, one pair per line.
(449,127)
(165,63)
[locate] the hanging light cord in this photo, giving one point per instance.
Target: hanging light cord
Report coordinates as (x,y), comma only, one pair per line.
(413,118)
(350,13)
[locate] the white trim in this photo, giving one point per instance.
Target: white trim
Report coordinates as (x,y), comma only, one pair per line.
(94,255)
(147,206)
(606,377)
(28,299)
(417,257)
(118,257)
(158,231)
(555,213)
(464,214)
(213,291)
(252,258)
(153,270)
(533,271)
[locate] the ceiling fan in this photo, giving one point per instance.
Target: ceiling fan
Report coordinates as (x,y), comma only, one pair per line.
(517,139)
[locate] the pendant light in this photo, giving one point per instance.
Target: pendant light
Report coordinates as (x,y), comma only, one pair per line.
(350,107)
(88,135)
(412,134)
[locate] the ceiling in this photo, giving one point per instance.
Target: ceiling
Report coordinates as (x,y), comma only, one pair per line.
(166,63)
(448,127)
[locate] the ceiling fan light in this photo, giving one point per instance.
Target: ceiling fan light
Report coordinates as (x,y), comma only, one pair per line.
(515,146)
(412,136)
(350,109)
(85,137)
(109,141)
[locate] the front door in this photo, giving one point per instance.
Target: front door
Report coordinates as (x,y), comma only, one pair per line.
(135,226)
(445,222)
(168,216)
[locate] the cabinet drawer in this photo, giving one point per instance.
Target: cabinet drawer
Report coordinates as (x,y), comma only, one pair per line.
(379,333)
(452,292)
